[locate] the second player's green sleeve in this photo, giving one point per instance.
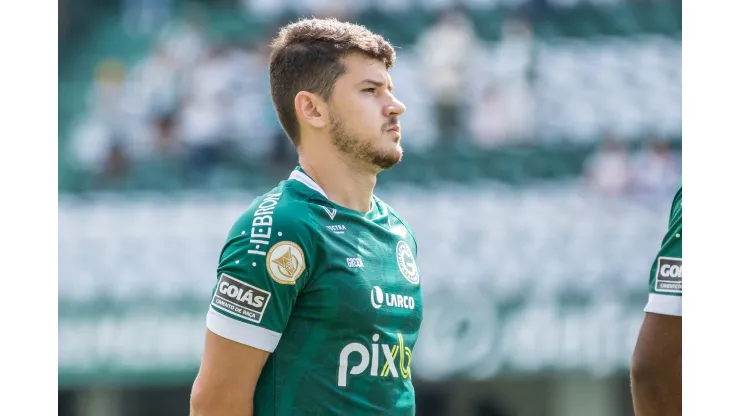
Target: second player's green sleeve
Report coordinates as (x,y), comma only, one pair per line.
(263,267)
(666,273)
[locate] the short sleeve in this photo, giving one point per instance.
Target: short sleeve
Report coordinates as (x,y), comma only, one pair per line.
(263,267)
(666,275)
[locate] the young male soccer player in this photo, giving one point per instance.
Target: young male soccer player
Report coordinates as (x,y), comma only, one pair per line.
(317,303)
(656,361)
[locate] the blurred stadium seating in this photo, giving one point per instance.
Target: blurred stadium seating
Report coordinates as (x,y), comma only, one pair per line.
(590,71)
(537,216)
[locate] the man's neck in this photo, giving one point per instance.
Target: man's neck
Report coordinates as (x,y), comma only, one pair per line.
(344,184)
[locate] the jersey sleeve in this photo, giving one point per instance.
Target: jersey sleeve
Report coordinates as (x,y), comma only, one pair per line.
(665,295)
(263,267)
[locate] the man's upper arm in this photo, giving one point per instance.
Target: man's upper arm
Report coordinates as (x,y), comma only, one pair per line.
(658,347)
(219,389)
(263,267)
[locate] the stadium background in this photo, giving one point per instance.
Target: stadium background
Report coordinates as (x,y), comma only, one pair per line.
(542,148)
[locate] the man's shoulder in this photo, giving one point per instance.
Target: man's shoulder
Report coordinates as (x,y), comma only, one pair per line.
(677,205)
(288,208)
(385,208)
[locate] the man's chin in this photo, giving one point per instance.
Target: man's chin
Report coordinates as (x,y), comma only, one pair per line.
(388,160)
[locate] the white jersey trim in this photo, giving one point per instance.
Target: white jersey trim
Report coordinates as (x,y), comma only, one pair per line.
(664,304)
(301,177)
(242,332)
(306,180)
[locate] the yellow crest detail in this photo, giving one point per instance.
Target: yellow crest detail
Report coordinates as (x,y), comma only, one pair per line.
(285,262)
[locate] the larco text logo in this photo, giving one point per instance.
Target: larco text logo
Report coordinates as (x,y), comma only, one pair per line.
(378,298)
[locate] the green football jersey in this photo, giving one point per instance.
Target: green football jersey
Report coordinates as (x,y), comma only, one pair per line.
(666,272)
(334,294)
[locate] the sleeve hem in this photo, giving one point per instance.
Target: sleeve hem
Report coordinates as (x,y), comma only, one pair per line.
(664,304)
(242,332)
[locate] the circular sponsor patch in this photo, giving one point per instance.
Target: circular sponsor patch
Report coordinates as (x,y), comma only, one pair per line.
(406,262)
(285,262)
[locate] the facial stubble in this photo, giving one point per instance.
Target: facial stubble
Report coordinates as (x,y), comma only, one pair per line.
(362,151)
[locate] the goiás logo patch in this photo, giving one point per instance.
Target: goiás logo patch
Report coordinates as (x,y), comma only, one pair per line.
(240,299)
(668,276)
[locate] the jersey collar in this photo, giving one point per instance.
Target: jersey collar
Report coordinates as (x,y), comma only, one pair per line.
(300,176)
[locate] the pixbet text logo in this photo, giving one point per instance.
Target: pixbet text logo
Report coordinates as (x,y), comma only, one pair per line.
(372,359)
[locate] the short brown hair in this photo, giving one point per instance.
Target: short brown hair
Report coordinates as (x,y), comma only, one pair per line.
(306,56)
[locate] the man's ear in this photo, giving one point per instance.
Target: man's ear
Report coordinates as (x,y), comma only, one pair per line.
(311,109)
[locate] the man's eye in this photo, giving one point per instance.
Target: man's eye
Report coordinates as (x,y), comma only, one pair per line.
(372,90)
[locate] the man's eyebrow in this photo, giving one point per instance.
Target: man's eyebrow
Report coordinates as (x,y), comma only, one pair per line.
(375,83)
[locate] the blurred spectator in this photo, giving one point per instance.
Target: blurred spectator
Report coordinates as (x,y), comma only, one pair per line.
(107,95)
(209,79)
(142,17)
(514,62)
(488,118)
(166,141)
(101,135)
(202,128)
(656,169)
(156,84)
(248,109)
(185,39)
(446,49)
(204,115)
(608,170)
(116,167)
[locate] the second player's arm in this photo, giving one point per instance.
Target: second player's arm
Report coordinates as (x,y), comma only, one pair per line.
(656,367)
(655,372)
(227,378)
